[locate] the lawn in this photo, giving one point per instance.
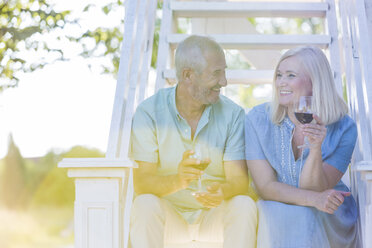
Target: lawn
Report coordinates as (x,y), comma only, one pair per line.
(45,227)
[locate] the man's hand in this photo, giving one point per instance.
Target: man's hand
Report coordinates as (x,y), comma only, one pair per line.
(213,198)
(190,169)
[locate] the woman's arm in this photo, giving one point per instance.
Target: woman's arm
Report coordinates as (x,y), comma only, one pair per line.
(317,175)
(269,188)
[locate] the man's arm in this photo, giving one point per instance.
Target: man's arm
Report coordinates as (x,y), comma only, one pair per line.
(147,180)
(237,181)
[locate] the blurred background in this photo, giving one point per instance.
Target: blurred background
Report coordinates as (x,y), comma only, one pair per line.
(58,66)
(58,61)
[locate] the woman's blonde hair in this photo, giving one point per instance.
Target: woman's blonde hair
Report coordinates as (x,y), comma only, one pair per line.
(327,104)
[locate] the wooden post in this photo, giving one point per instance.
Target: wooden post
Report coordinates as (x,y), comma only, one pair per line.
(100,200)
(104,186)
(357,51)
(365,200)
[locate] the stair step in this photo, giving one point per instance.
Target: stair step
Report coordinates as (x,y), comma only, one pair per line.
(249,9)
(234,76)
(258,41)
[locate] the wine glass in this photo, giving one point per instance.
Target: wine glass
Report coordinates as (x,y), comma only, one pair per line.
(304,114)
(201,152)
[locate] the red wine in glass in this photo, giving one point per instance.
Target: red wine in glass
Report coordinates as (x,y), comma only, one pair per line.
(304,114)
(304,118)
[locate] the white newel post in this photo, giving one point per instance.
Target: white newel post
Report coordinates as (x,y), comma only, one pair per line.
(100,200)
(104,186)
(365,200)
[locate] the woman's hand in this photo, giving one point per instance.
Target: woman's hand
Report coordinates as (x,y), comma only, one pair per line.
(328,201)
(315,132)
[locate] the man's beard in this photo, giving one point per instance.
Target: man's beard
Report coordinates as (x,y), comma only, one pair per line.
(202,95)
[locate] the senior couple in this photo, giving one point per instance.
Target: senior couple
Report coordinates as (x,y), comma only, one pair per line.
(183,198)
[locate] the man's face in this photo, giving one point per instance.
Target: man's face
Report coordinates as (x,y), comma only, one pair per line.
(205,88)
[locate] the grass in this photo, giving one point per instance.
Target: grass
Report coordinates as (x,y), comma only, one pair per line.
(44,227)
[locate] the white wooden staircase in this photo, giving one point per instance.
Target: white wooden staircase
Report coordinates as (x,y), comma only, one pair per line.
(104,189)
(356,23)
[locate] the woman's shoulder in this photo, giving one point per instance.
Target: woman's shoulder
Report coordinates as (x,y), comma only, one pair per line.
(345,122)
(259,112)
(259,115)
(344,125)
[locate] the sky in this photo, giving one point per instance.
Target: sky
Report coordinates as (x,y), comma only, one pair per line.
(58,107)
(65,103)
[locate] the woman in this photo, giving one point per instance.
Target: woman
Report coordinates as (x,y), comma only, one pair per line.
(303,202)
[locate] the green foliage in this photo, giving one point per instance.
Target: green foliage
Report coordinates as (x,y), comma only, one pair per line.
(20,21)
(107,44)
(344,89)
(2,165)
(38,181)
(107,41)
(235,60)
(56,189)
(37,170)
(155,45)
(246,96)
(288,25)
(13,178)
(82,152)
(273,26)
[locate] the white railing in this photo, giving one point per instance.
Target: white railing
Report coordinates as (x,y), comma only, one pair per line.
(103,186)
(357,41)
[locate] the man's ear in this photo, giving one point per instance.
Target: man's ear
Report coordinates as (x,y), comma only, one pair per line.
(187,74)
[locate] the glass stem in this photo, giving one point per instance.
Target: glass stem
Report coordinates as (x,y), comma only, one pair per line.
(200,184)
(306,142)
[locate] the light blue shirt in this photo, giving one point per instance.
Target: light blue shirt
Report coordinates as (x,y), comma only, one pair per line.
(161,135)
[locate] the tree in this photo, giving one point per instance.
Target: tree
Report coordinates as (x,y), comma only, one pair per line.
(20,21)
(55,188)
(13,177)
(26,21)
(108,40)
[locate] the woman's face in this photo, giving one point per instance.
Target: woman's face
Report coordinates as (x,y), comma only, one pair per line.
(292,81)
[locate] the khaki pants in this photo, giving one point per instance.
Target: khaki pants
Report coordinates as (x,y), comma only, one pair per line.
(155,224)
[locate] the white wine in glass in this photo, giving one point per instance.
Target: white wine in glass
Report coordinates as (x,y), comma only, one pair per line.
(201,152)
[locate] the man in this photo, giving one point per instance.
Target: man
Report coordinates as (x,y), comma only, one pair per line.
(166,127)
